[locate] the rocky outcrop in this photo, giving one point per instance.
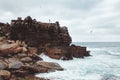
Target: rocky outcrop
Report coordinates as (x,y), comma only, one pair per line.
(28,38)
(50,38)
(38,34)
(66,52)
(22,63)
(46,37)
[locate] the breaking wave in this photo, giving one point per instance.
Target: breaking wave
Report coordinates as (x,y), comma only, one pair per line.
(104,64)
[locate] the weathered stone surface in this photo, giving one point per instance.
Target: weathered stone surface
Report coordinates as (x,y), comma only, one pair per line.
(22,55)
(66,52)
(49,65)
(26,59)
(58,52)
(43,33)
(79,51)
(3,65)
(20,73)
(15,65)
(9,49)
(35,69)
(5,74)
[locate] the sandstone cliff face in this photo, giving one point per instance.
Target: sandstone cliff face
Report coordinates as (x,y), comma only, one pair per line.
(49,38)
(39,34)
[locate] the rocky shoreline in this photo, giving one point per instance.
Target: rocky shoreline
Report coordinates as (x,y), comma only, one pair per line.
(17,62)
(21,43)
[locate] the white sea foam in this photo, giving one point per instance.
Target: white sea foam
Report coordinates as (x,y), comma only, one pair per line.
(100,66)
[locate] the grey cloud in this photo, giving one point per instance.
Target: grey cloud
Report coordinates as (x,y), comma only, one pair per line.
(80,16)
(82,4)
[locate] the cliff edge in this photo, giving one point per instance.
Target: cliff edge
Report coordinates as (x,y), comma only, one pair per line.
(48,38)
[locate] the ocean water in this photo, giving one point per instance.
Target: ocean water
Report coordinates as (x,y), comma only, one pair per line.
(104,64)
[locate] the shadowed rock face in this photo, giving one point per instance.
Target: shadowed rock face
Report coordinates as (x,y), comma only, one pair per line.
(49,38)
(39,34)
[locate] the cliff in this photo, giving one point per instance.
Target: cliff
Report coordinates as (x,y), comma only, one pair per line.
(50,38)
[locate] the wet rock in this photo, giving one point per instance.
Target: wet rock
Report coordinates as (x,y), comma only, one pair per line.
(49,65)
(5,74)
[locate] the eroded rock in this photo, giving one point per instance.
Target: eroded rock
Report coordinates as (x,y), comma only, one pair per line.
(49,65)
(3,65)
(26,59)
(5,74)
(15,65)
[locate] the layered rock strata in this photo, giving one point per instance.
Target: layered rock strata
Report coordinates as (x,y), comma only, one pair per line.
(50,38)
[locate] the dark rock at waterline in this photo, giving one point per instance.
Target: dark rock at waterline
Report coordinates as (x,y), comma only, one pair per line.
(66,52)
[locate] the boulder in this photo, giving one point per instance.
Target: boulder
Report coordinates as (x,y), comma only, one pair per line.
(15,65)
(26,59)
(3,65)
(35,69)
(49,65)
(5,74)
(9,49)
(21,55)
(20,73)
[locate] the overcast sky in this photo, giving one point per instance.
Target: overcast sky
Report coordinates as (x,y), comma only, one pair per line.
(87,20)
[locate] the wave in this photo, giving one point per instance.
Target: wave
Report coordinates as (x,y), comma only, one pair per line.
(110,77)
(97,67)
(105,51)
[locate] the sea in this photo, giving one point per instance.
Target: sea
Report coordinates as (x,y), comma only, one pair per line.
(103,64)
